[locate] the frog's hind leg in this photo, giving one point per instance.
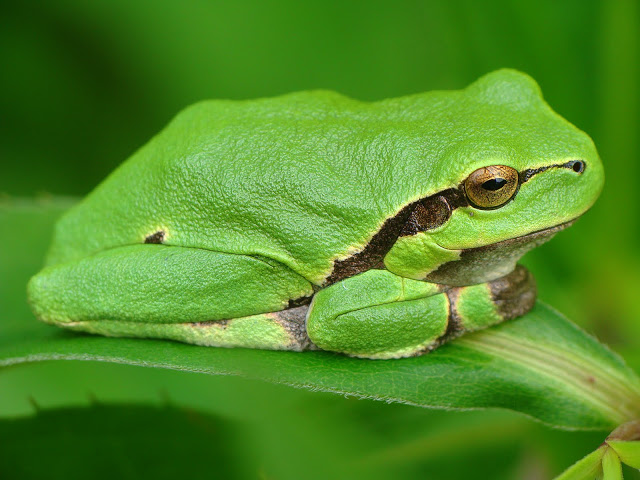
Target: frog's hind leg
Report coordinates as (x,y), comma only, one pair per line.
(282,330)
(480,306)
(186,294)
(379,315)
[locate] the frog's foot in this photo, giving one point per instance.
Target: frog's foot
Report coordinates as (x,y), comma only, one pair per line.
(379,315)
(479,306)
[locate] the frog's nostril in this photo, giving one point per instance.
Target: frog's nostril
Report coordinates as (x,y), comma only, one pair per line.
(578,166)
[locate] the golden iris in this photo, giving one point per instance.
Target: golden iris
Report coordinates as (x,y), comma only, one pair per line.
(492,186)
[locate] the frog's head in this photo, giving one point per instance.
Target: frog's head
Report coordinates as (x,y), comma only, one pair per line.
(515,175)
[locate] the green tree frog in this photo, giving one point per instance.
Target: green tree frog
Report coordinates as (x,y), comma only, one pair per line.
(315,221)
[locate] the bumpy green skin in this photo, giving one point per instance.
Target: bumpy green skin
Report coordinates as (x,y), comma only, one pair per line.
(257,200)
(378,314)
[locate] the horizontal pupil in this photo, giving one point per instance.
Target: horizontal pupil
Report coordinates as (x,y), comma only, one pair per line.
(494,184)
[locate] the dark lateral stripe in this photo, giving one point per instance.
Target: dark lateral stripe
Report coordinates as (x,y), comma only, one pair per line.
(420,216)
(528,174)
(298,302)
(424,214)
(434,211)
(373,253)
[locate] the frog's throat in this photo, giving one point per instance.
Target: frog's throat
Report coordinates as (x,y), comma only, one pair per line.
(488,262)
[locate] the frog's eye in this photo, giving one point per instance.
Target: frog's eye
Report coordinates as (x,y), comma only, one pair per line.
(491,187)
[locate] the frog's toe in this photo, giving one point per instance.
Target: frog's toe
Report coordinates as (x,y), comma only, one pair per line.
(480,306)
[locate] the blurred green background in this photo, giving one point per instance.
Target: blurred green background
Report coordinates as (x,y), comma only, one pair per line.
(84,84)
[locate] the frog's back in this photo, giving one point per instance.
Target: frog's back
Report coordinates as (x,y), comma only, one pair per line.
(304,179)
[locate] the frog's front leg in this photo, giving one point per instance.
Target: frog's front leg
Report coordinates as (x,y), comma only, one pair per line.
(377,314)
(187,294)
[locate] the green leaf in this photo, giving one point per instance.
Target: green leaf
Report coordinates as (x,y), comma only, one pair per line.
(611,466)
(629,452)
(588,468)
(106,442)
(625,440)
(540,365)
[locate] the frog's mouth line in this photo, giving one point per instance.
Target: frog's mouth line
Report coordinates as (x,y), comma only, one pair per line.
(537,235)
